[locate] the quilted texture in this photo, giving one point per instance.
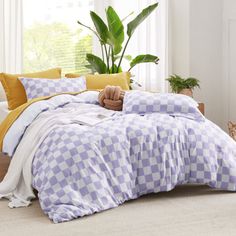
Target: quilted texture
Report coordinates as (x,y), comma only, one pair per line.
(45,87)
(81,170)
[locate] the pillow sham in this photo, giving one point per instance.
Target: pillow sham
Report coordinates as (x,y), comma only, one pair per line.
(173,104)
(15,91)
(46,87)
(100,81)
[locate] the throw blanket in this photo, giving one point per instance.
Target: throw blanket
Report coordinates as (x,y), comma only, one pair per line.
(81,169)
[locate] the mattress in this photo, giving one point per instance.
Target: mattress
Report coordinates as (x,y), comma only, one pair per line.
(3,111)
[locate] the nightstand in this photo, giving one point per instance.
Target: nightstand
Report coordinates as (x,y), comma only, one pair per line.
(201,107)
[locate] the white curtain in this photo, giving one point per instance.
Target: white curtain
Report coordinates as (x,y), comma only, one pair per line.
(11,36)
(151,37)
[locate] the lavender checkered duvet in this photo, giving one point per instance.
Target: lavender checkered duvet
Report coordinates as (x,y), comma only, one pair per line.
(80,170)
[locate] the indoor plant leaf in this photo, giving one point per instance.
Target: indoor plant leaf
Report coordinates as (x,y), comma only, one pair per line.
(117,69)
(111,37)
(143,59)
(140,18)
(90,68)
(178,84)
(117,48)
(80,23)
(116,30)
(101,27)
(191,83)
(96,63)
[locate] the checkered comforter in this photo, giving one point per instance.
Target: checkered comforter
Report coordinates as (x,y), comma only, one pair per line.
(81,170)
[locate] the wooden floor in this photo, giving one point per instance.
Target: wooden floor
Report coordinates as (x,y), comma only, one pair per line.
(4,163)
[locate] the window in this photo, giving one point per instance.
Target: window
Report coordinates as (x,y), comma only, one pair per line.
(151,37)
(52,37)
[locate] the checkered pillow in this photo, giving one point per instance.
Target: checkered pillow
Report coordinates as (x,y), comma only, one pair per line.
(174,104)
(46,87)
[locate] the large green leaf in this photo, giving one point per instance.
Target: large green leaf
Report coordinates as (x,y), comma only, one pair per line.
(143,59)
(96,63)
(116,30)
(80,23)
(140,18)
(100,26)
(116,69)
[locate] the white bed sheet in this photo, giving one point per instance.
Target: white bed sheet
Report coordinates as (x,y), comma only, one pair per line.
(3,111)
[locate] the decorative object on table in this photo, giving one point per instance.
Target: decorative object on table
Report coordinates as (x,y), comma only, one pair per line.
(112,40)
(182,85)
(232,129)
(112,98)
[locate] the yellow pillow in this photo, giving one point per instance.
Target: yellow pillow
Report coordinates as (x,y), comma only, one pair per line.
(15,91)
(100,81)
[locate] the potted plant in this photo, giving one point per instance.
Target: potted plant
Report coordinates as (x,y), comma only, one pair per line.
(183,86)
(111,35)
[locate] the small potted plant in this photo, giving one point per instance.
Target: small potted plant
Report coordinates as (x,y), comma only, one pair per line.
(183,86)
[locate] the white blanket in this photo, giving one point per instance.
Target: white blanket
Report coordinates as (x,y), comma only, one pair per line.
(14,134)
(16,185)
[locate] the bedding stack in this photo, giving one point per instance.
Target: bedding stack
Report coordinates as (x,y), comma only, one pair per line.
(83,158)
(158,141)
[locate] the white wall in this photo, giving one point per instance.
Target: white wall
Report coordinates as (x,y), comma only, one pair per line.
(179,27)
(206,54)
(229,59)
(197,49)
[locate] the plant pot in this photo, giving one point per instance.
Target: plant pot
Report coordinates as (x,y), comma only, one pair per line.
(187,92)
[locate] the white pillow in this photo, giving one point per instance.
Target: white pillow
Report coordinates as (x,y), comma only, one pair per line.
(2,93)
(142,102)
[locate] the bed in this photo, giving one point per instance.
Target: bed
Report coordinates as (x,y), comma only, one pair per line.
(83,159)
